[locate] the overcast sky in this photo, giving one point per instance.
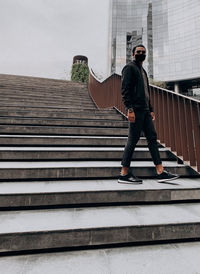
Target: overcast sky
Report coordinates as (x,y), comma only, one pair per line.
(40,37)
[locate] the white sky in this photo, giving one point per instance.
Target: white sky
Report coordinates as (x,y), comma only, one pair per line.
(40,37)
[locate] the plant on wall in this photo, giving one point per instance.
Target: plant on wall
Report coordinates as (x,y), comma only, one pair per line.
(80,73)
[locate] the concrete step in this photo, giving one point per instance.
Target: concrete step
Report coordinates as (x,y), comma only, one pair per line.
(47,104)
(26,82)
(61,115)
(87,192)
(33,96)
(93,226)
(50,96)
(182,258)
(74,153)
(62,130)
(41,84)
(62,109)
(30,80)
(50,140)
(35,93)
(63,122)
(44,87)
(50,170)
(65,99)
(41,90)
(44,99)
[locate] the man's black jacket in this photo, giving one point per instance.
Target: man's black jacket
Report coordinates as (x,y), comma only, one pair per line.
(133,92)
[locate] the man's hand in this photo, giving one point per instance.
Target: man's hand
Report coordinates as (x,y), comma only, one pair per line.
(131,116)
(153,116)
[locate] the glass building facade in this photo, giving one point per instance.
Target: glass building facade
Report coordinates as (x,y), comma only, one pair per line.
(128,27)
(170,30)
(176,39)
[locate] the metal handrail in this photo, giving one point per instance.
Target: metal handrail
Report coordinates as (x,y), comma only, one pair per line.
(177,116)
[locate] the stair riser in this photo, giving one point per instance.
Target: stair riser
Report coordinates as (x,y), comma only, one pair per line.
(58,99)
(50,109)
(64,101)
(42,93)
(18,94)
(97,197)
(64,115)
(39,141)
(99,236)
(48,104)
(43,90)
(15,129)
(62,122)
(82,173)
(78,155)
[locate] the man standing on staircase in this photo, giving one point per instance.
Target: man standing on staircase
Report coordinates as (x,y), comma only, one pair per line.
(135,95)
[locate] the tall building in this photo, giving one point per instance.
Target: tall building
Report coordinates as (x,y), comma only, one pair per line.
(128,27)
(176,42)
(169,29)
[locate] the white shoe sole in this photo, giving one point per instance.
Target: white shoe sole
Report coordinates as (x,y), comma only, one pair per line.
(168,180)
(129,183)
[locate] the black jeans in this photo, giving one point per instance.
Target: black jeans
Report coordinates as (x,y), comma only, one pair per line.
(143,122)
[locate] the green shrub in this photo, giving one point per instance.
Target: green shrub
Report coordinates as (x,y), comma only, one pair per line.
(80,73)
(160,84)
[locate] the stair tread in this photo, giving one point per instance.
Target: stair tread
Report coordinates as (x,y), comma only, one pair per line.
(65,108)
(79,164)
(182,258)
(97,217)
(66,186)
(64,137)
(64,148)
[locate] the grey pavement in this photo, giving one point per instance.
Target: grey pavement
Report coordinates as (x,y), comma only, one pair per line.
(179,258)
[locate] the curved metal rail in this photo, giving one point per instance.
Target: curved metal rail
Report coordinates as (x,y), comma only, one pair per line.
(177,116)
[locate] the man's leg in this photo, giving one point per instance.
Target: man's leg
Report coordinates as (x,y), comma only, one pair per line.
(133,137)
(151,136)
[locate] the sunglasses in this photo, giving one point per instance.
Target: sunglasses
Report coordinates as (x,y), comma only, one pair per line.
(141,51)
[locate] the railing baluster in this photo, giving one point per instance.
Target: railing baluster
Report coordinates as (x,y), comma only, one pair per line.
(166,120)
(177,126)
(190,134)
(196,132)
(160,111)
(182,121)
(156,109)
(170,119)
(181,141)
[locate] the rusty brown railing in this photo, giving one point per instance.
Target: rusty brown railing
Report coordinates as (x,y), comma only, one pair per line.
(177,116)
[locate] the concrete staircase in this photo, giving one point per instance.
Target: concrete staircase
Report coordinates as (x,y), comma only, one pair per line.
(60,157)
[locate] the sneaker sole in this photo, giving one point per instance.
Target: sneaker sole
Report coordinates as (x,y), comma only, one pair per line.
(130,183)
(167,180)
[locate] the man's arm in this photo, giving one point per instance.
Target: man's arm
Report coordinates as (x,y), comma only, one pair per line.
(126,86)
(150,106)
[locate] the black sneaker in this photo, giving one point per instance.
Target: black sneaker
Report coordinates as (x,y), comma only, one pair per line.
(166,176)
(129,179)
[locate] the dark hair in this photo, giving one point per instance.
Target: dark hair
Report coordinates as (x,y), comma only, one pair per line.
(142,46)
